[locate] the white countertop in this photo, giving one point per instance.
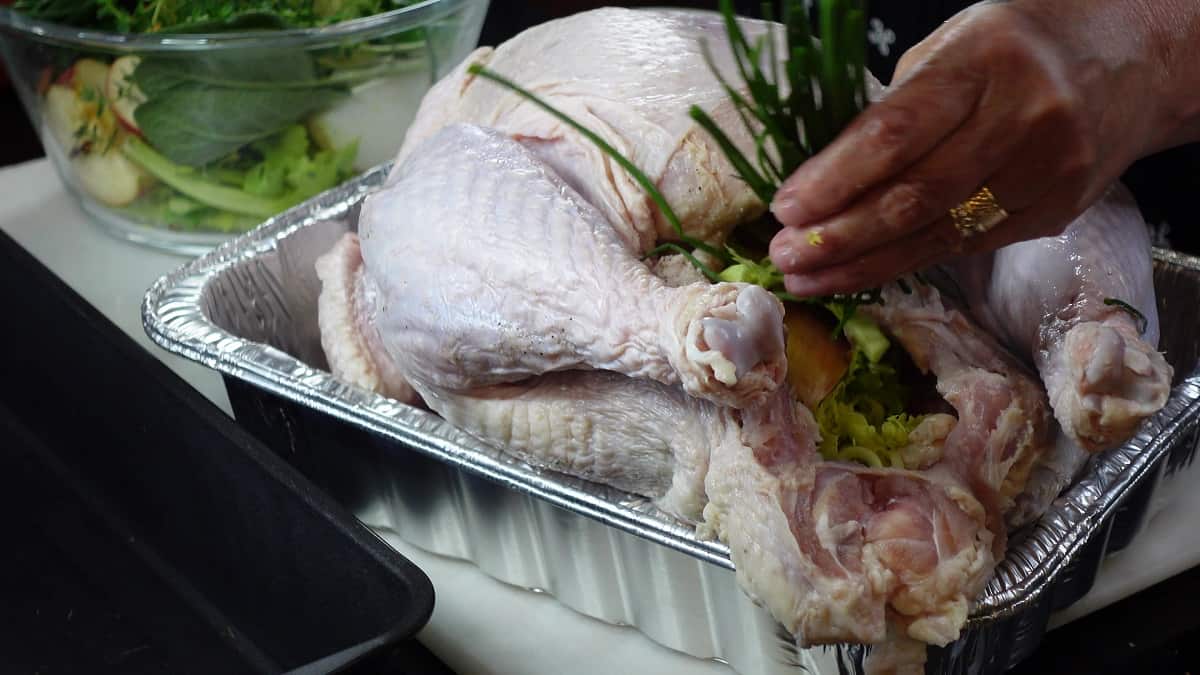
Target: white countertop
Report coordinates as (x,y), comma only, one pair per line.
(479,625)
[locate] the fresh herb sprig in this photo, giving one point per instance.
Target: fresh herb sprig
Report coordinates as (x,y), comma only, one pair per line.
(826,88)
(1142,322)
(637,174)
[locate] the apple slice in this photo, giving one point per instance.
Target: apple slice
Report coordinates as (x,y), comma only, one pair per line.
(96,165)
(89,74)
(111,178)
(122,93)
(816,361)
(62,114)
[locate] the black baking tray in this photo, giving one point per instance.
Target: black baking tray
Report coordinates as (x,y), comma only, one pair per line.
(145,532)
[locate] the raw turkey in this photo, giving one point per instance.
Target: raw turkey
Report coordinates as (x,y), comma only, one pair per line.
(630,76)
(1068,303)
(832,549)
(525,277)
(498,277)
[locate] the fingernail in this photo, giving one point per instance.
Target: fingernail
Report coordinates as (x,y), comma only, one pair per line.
(801,286)
(786,252)
(786,260)
(788,210)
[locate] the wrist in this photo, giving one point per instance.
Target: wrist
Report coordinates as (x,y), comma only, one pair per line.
(1173,29)
(1149,46)
(1130,59)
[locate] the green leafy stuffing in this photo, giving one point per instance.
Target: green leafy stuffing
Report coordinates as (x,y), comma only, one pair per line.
(193,16)
(863,419)
(744,270)
(863,333)
(276,174)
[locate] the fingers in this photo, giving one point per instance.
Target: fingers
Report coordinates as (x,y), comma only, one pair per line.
(1035,210)
(877,266)
(1019,169)
(921,195)
(886,217)
(934,244)
(882,141)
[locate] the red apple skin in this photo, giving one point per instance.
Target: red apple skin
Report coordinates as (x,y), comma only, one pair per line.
(45,79)
(66,78)
(124,106)
(130,127)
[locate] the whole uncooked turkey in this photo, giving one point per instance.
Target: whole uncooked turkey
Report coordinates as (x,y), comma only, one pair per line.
(833,549)
(498,275)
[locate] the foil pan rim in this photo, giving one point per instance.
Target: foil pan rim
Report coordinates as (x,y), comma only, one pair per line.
(173,317)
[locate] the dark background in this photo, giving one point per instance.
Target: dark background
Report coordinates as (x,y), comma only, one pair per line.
(1154,632)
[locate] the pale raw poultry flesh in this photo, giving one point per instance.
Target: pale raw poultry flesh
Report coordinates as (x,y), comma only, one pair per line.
(1057,301)
(630,76)
(498,276)
(832,549)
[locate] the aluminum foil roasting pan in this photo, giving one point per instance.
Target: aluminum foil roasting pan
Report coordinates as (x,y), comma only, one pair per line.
(248,310)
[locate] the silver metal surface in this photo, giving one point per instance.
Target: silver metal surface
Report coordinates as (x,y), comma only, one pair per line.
(248,310)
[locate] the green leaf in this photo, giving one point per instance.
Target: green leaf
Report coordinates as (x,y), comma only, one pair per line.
(269,178)
(265,180)
(282,180)
(199,109)
(309,177)
(761,273)
(866,336)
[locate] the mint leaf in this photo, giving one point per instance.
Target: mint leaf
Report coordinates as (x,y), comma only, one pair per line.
(200,108)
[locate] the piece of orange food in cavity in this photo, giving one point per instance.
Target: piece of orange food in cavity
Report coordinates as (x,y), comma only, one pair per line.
(816,360)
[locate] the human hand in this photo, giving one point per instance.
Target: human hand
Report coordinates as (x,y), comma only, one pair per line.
(1043,103)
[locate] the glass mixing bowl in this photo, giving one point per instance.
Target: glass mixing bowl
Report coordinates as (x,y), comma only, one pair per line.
(180,141)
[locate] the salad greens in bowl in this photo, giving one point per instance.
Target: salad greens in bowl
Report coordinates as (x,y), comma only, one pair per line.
(178,123)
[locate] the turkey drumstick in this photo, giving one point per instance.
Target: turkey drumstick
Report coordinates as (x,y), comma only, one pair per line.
(485,267)
(1068,303)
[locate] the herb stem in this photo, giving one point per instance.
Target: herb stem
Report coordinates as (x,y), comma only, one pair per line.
(1142,322)
(638,176)
(671,246)
(188,183)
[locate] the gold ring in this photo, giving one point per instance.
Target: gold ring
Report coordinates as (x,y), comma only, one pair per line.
(978,214)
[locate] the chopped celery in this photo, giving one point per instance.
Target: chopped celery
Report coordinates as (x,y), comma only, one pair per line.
(866,336)
(286,176)
(863,419)
(186,180)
